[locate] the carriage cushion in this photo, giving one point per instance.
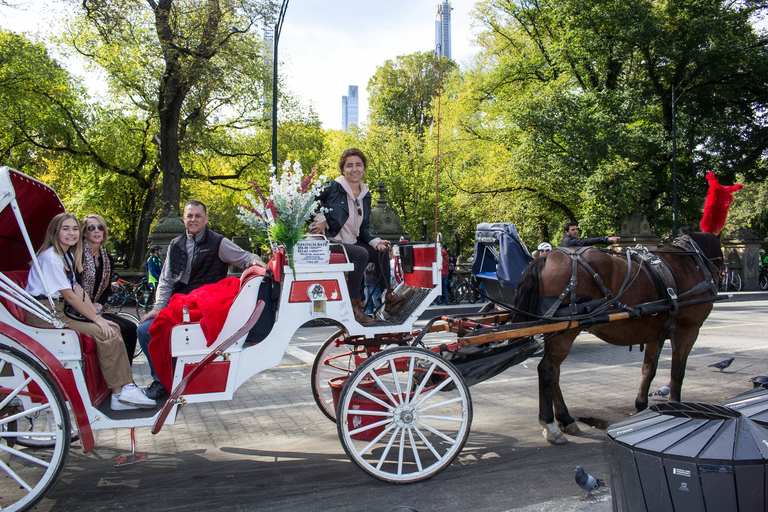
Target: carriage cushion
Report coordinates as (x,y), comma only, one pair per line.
(337,257)
(250,273)
(94,380)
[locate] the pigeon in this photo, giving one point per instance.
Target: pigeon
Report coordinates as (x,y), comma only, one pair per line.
(587,481)
(722,365)
(760,380)
(661,392)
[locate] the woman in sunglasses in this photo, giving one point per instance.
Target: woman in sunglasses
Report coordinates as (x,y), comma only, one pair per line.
(348,223)
(60,259)
(96,277)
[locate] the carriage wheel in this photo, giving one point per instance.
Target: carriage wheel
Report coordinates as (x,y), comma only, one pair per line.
(37,427)
(406,415)
(334,361)
(26,390)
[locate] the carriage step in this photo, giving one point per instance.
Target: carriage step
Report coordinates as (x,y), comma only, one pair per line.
(131,414)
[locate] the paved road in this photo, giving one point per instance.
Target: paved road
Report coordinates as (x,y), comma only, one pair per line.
(271,449)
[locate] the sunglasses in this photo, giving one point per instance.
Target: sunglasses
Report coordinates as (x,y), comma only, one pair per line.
(94,227)
(359,211)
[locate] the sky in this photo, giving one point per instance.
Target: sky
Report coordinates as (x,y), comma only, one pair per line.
(325,45)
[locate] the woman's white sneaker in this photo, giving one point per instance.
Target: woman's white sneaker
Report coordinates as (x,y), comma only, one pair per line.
(133,395)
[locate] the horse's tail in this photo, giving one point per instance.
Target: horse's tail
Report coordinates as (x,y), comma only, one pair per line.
(527,295)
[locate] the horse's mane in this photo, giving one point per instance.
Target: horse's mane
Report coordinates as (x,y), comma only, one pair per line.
(708,243)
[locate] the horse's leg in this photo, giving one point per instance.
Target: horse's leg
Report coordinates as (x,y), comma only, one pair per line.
(650,364)
(684,340)
(550,397)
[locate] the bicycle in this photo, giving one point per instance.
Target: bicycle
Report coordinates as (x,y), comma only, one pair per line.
(729,280)
(461,290)
(140,292)
(763,278)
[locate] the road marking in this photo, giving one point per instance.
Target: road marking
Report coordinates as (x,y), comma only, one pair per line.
(266,407)
(300,354)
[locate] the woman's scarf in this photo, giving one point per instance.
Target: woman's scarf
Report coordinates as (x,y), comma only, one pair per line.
(89,271)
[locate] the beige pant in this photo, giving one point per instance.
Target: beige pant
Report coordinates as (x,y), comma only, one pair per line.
(113,360)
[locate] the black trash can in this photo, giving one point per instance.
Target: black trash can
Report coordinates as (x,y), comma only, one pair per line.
(689,457)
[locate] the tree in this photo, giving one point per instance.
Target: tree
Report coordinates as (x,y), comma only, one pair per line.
(570,101)
(401,91)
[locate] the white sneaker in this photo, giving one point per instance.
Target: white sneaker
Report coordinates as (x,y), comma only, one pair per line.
(117,406)
(133,395)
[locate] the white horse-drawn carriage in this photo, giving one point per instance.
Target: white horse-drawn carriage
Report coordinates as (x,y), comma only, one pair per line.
(406,411)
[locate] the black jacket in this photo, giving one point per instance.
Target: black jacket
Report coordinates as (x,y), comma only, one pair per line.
(335,197)
(569,241)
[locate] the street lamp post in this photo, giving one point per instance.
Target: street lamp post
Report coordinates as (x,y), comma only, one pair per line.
(278,28)
(424,225)
(674,167)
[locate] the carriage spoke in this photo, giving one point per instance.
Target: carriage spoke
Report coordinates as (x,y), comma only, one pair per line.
(369,427)
(409,381)
(400,453)
(361,412)
(376,439)
(440,404)
(415,450)
(427,443)
(30,433)
(386,450)
(423,382)
(440,418)
(16,477)
(436,432)
(371,397)
(426,397)
(23,455)
(15,392)
(393,369)
(25,413)
(384,388)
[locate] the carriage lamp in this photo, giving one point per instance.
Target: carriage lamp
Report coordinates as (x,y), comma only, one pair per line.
(316,294)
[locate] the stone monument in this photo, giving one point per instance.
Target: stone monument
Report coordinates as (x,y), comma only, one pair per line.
(385,223)
(741,249)
(636,230)
(166,229)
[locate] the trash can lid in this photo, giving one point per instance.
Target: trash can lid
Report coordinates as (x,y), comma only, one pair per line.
(695,430)
(753,404)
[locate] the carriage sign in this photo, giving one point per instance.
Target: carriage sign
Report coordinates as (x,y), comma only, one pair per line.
(312,252)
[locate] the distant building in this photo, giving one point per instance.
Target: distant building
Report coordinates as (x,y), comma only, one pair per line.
(349,108)
(443,29)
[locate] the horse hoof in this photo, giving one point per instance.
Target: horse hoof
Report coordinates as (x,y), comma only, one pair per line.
(553,435)
(572,429)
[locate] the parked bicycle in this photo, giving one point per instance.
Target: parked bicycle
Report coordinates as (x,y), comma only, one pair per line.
(730,280)
(461,289)
(763,278)
(139,292)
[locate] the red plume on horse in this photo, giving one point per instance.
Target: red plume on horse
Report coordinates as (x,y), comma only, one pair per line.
(719,198)
(634,297)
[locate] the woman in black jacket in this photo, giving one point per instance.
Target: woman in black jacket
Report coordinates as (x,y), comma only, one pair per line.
(348,224)
(96,276)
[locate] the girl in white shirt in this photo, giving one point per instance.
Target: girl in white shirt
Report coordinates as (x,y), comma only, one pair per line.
(60,258)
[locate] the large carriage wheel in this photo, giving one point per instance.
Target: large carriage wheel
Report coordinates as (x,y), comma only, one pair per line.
(406,415)
(26,390)
(334,361)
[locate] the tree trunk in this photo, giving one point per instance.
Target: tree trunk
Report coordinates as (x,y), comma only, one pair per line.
(139,252)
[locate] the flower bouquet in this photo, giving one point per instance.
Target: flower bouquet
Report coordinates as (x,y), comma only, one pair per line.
(283,215)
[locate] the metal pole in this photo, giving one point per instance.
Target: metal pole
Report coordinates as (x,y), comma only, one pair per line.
(674,167)
(278,27)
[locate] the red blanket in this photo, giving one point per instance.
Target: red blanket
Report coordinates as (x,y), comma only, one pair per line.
(208,305)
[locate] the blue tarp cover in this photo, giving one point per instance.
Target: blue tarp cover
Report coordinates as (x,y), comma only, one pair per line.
(514,256)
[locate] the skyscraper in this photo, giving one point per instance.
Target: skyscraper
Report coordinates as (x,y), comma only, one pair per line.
(443,28)
(349,108)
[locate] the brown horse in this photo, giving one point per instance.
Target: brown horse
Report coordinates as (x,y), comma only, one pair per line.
(682,272)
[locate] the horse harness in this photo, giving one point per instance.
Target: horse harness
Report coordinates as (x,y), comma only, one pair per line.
(661,273)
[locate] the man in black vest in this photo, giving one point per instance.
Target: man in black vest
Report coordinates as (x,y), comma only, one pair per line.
(211,254)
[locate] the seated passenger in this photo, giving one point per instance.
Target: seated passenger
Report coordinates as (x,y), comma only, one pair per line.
(348,224)
(199,256)
(96,277)
(60,258)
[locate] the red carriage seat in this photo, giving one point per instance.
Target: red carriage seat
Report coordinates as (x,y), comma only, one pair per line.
(94,380)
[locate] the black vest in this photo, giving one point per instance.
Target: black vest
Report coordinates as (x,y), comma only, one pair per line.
(207,267)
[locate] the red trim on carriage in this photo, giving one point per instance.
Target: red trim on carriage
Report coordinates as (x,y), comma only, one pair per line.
(212,378)
(299,290)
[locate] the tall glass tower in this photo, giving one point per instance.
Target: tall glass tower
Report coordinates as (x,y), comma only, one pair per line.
(349,108)
(443,28)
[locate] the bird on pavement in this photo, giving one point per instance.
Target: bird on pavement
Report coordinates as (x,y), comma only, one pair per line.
(760,380)
(661,392)
(722,365)
(587,481)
